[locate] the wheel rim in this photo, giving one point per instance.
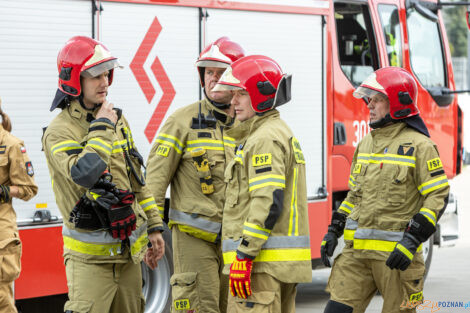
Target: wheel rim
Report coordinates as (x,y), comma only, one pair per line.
(156,287)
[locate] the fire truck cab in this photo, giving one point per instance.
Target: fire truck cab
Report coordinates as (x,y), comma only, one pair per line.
(329,47)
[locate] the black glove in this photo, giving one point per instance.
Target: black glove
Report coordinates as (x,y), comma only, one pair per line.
(402,255)
(330,241)
(105,199)
(104,182)
(4,194)
(122,219)
(419,229)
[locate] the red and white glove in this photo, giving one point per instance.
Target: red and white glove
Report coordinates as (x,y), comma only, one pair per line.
(240,277)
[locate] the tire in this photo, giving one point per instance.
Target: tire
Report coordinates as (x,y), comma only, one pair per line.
(156,284)
(427,255)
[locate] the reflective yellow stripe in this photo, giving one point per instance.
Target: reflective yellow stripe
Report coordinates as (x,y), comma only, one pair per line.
(323,243)
(294,217)
(257,235)
(65,145)
(377,245)
(428,211)
(346,206)
(140,244)
(99,144)
(349,234)
(211,237)
(251,225)
(239,157)
(274,255)
(405,251)
(208,144)
(266,180)
(148,204)
(91,248)
(386,159)
(161,211)
(433,184)
(171,141)
(229,141)
(351,181)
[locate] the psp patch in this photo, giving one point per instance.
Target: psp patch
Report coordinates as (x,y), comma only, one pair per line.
(163,150)
(299,156)
(434,164)
(416,296)
(182,304)
(262,159)
(29,168)
(357,168)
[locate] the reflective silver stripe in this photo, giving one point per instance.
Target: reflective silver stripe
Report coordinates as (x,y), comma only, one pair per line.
(276,242)
(351,224)
(391,158)
(433,185)
(366,233)
(430,216)
(195,221)
(101,237)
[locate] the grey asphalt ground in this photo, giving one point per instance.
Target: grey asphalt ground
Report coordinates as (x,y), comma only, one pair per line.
(448,278)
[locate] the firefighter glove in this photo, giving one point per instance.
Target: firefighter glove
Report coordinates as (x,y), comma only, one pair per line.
(402,255)
(4,194)
(122,219)
(240,277)
(330,241)
(104,198)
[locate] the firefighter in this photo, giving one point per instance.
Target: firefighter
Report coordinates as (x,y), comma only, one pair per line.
(190,153)
(109,214)
(16,181)
(265,234)
(398,192)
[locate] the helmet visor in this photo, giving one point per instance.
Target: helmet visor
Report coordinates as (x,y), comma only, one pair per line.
(212,63)
(364,92)
(225,87)
(100,68)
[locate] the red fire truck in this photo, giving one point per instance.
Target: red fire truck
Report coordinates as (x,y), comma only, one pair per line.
(328,46)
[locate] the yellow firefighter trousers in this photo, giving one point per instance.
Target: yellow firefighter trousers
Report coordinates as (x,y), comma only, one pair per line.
(10,267)
(198,284)
(354,281)
(104,287)
(267,295)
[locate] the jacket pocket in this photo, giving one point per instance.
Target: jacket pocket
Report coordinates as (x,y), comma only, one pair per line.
(412,280)
(10,259)
(78,306)
(259,302)
(233,188)
(185,293)
(397,186)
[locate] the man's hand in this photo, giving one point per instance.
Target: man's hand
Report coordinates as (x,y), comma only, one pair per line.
(106,111)
(156,251)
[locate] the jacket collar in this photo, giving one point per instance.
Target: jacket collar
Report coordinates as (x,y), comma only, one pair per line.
(219,114)
(79,112)
(390,131)
(245,128)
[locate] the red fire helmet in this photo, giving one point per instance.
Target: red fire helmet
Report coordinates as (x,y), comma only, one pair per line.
(220,53)
(262,78)
(398,85)
(86,57)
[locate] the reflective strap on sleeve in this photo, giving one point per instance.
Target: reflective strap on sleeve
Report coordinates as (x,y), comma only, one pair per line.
(171,141)
(148,204)
(65,146)
(267,180)
(256,231)
(430,215)
(433,184)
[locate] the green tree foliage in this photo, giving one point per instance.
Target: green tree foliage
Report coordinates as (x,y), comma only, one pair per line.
(456,27)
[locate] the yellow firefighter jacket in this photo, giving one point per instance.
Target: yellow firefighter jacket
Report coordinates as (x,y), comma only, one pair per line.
(265,213)
(15,170)
(78,149)
(170,161)
(396,173)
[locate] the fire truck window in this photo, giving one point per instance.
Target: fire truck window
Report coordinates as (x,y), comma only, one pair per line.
(356,42)
(426,52)
(391,29)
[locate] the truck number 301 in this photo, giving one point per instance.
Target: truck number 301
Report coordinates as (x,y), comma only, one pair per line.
(361,128)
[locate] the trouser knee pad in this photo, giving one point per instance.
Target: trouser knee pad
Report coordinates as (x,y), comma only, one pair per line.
(336,307)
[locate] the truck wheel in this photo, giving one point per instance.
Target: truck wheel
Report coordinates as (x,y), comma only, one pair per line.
(156,284)
(427,254)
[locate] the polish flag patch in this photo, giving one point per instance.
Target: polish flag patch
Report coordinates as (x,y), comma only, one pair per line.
(23,150)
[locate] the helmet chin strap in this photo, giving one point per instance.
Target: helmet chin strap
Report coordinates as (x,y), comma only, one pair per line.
(382,122)
(218,105)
